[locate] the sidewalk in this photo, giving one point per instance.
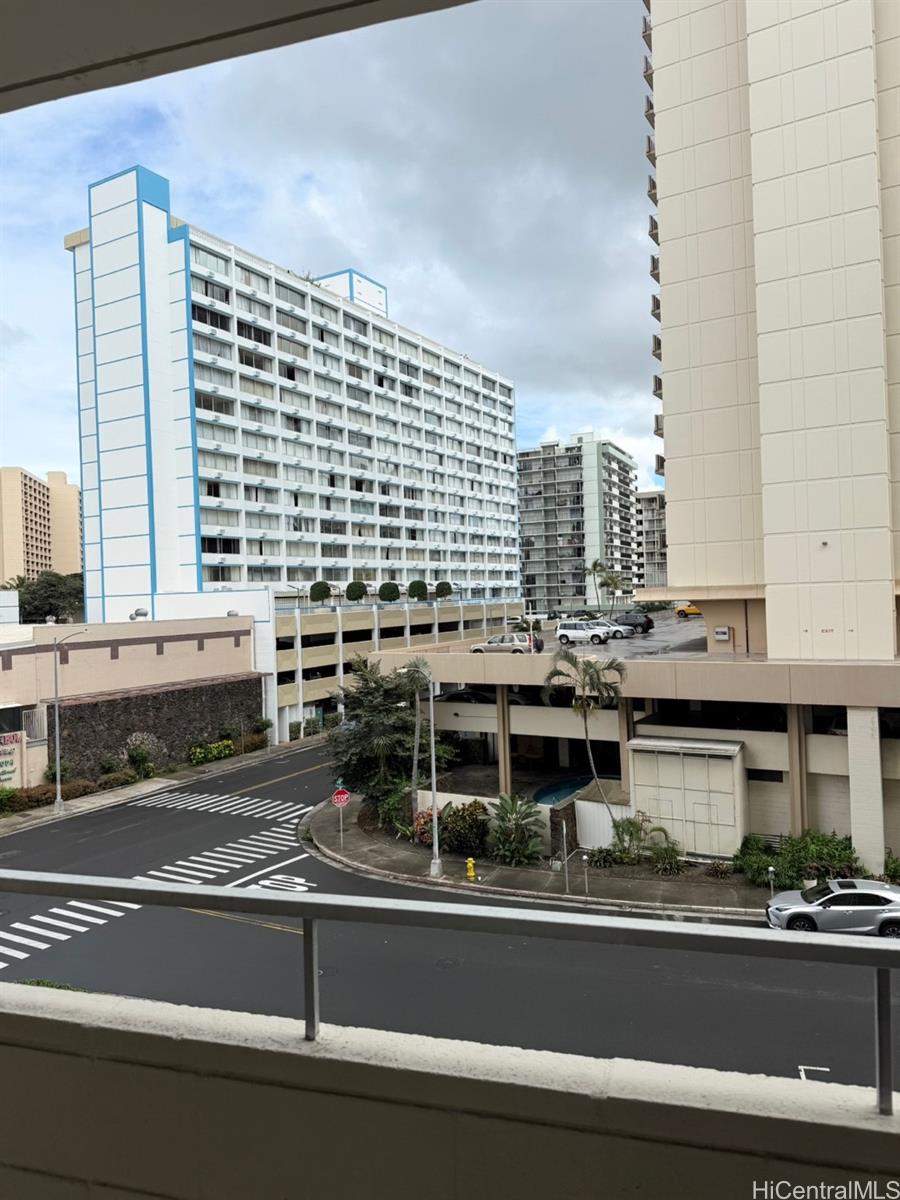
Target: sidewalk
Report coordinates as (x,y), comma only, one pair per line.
(16,822)
(372,854)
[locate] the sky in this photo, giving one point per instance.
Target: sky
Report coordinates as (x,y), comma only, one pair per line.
(485,163)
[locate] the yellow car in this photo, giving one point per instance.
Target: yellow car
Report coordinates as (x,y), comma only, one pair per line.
(684,608)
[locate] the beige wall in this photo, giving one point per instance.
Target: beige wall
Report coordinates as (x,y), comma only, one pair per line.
(65,523)
(173,1092)
(12,525)
(120,657)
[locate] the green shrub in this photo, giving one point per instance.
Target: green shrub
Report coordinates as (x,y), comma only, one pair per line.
(261,724)
(394,809)
(254,741)
(892,868)
(332,721)
(718,869)
(388,591)
(464,829)
(294,730)
(64,771)
(634,838)
(210,752)
(517,831)
(811,855)
(443,589)
(320,592)
(312,727)
(356,591)
(666,859)
(602,856)
(116,779)
(7,793)
(111,762)
(418,590)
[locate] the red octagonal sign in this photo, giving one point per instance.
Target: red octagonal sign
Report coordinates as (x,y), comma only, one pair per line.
(339,797)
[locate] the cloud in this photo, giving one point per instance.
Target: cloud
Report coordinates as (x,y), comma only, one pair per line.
(485,163)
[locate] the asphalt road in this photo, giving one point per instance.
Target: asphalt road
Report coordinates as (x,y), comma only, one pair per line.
(771,1018)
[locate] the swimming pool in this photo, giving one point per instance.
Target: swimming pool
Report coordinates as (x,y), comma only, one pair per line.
(550,793)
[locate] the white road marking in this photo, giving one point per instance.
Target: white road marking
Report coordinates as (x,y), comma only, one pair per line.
(210,869)
(267,870)
(233,859)
(185,869)
(12,937)
(109,912)
(803,1070)
(10,953)
(62,924)
(61,937)
(64,912)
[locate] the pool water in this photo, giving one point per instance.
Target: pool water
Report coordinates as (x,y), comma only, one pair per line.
(550,793)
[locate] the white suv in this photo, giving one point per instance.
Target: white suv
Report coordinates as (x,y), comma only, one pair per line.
(580,631)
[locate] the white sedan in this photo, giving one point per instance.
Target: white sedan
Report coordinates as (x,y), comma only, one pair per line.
(612,629)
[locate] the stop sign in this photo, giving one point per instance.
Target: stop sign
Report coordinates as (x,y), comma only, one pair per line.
(339,797)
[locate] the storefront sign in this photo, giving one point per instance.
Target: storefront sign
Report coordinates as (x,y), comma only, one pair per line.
(12,748)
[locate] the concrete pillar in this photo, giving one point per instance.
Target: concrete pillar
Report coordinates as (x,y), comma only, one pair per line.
(796,730)
(376,628)
(866,787)
(563,750)
(504,756)
(340,662)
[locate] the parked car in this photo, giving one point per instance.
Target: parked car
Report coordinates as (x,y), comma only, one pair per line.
(684,608)
(580,631)
(613,629)
(505,643)
(640,621)
(839,906)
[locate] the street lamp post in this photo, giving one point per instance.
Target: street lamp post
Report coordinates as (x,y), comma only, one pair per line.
(436,869)
(57,642)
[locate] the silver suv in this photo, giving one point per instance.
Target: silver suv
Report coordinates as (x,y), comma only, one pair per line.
(839,906)
(580,631)
(505,643)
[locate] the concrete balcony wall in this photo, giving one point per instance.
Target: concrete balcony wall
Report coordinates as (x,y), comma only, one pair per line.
(194,1104)
(826,754)
(762,751)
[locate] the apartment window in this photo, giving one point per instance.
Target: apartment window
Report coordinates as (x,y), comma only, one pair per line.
(289,295)
(301,524)
(218,516)
(294,374)
(215,461)
(430,359)
(324,384)
(410,370)
(333,550)
(355,325)
(408,348)
(334,528)
(384,360)
(208,345)
(357,348)
(296,424)
(220,545)
(407,389)
(258,441)
(216,433)
(326,455)
(206,258)
(295,399)
(297,349)
(325,311)
(329,432)
(262,521)
(210,289)
(334,412)
(299,474)
(254,333)
(216,404)
(259,467)
(207,374)
(296,450)
(325,336)
(251,279)
(357,394)
(207,317)
(256,387)
(356,372)
(382,337)
(249,358)
(289,321)
(384,381)
(260,495)
(256,308)
(364,508)
(359,439)
(253,412)
(358,529)
(328,361)
(505,391)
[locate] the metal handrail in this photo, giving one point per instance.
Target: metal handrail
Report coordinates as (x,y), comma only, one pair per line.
(880,955)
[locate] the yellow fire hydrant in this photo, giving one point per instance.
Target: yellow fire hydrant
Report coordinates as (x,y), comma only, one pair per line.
(470,869)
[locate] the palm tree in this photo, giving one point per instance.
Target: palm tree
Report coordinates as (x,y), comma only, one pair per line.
(613,582)
(595,685)
(18,583)
(595,571)
(418,677)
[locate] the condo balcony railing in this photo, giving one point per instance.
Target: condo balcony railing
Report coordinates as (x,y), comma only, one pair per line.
(649,112)
(647,28)
(655,310)
(660,467)
(651,188)
(657,386)
(656,349)
(654,229)
(654,267)
(658,423)
(651,149)
(648,71)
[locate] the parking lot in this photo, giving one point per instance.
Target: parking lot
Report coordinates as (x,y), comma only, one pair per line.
(669,635)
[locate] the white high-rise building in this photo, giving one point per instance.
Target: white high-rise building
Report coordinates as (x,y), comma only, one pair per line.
(650,539)
(244,426)
(577,507)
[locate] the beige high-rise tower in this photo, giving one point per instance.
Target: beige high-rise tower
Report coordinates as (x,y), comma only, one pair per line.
(40,524)
(777,152)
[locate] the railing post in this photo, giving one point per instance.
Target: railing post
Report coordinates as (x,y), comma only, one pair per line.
(884,1081)
(311,978)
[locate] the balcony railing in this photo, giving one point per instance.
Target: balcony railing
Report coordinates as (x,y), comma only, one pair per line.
(651,188)
(654,229)
(655,310)
(658,424)
(647,28)
(657,387)
(651,149)
(656,350)
(880,956)
(660,467)
(654,267)
(649,112)
(648,71)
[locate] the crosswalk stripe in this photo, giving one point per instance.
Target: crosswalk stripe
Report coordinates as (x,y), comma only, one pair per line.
(61,924)
(185,869)
(243,848)
(276,840)
(64,912)
(232,804)
(124,904)
(10,953)
(110,912)
(233,859)
(212,868)
(170,876)
(12,937)
(60,937)
(258,808)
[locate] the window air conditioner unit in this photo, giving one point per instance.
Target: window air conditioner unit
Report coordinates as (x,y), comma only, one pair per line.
(214,388)
(210,274)
(218,474)
(220,504)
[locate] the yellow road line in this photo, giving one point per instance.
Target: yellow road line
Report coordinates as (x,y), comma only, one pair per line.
(206,912)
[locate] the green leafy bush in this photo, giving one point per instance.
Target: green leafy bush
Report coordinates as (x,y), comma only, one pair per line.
(294,729)
(111,762)
(718,869)
(320,592)
(332,720)
(145,752)
(210,752)
(464,829)
(394,809)
(892,868)
(666,859)
(517,830)
(811,855)
(418,590)
(388,591)
(443,589)
(602,856)
(114,779)
(356,591)
(312,727)
(64,771)
(261,724)
(634,838)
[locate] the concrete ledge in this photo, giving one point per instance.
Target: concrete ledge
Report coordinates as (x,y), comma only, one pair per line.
(198,1104)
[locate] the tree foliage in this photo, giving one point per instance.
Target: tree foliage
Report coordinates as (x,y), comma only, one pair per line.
(49,595)
(517,830)
(319,592)
(388,591)
(356,590)
(418,590)
(443,589)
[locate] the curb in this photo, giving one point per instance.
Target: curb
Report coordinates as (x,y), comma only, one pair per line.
(684,912)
